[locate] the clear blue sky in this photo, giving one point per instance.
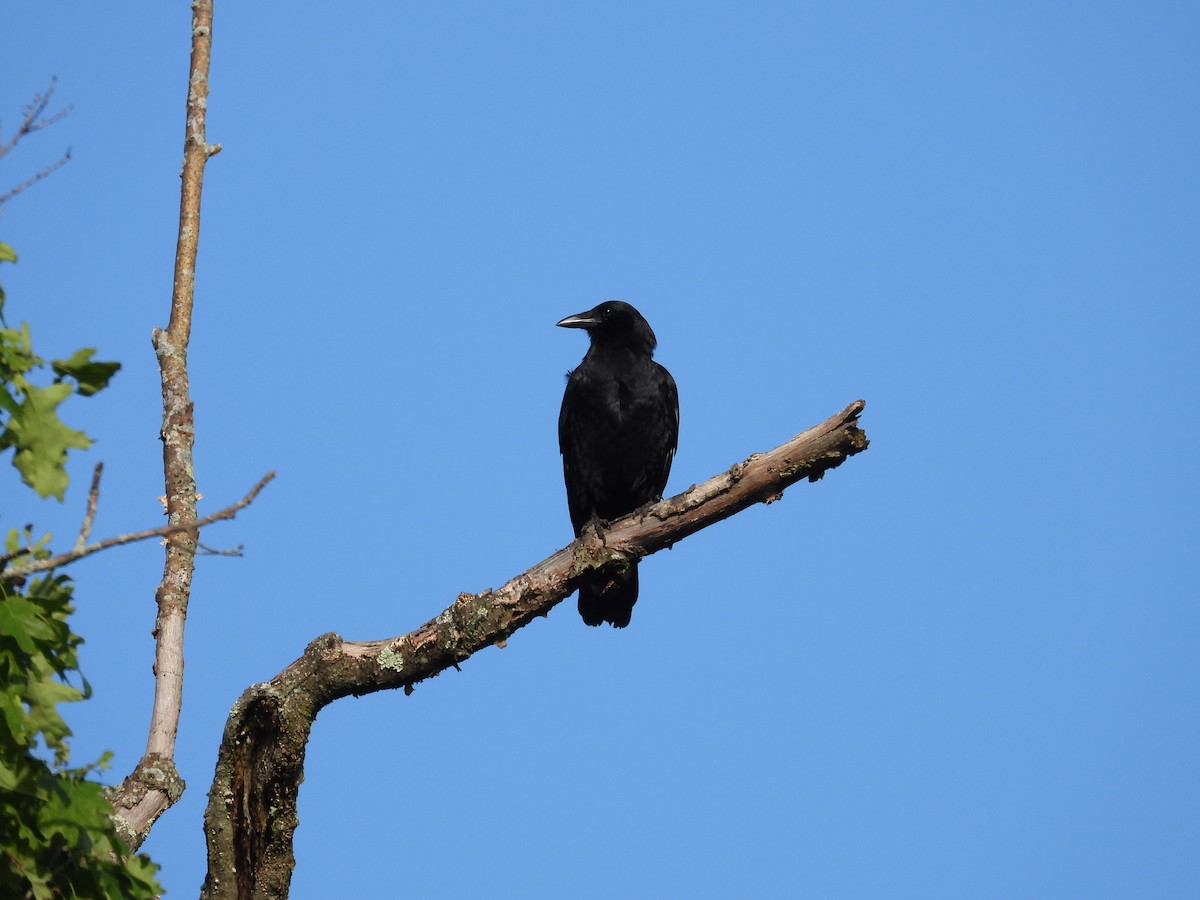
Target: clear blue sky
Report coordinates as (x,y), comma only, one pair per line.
(963,665)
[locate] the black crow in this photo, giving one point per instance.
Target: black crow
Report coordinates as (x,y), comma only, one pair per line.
(617,433)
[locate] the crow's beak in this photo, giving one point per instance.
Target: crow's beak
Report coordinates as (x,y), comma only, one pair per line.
(579,320)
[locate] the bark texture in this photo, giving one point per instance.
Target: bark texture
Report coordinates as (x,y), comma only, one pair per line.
(155,784)
(251,815)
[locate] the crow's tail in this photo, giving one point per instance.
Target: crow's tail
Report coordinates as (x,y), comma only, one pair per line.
(610,598)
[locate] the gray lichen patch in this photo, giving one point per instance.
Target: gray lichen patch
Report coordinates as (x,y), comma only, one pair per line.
(390,658)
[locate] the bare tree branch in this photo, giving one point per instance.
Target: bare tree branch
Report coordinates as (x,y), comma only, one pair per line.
(154,785)
(205,550)
(79,552)
(30,123)
(93,498)
(251,814)
(31,181)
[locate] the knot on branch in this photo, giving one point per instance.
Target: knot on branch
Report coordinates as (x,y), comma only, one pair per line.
(163,345)
(325,646)
(154,772)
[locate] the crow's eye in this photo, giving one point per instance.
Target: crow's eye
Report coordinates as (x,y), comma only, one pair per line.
(606,312)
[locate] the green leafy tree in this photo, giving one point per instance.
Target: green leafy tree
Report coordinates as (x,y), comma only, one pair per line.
(56,835)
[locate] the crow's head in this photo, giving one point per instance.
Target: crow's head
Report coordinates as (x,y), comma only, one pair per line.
(614,322)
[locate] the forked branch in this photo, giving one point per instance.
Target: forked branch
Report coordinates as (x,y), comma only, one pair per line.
(251,814)
(32,119)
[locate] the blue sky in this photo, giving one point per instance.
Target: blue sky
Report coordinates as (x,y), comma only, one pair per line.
(964,664)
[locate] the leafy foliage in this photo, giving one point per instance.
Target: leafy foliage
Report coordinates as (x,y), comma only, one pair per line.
(7,254)
(56,836)
(57,839)
(29,422)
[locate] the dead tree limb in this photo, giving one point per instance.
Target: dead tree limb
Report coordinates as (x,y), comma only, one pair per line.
(155,784)
(251,814)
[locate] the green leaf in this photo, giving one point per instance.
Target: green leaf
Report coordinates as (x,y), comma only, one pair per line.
(7,254)
(43,697)
(16,354)
(42,440)
(21,621)
(92,376)
(12,714)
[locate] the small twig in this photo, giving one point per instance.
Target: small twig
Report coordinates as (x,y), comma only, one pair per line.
(54,562)
(61,114)
(93,496)
(30,123)
(205,550)
(66,158)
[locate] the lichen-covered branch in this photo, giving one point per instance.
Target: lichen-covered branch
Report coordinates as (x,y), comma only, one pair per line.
(139,803)
(251,814)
